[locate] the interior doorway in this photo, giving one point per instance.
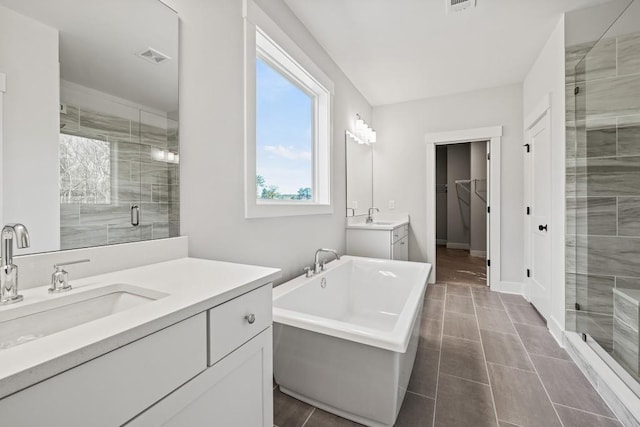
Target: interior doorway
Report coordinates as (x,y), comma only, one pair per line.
(461,212)
(493,137)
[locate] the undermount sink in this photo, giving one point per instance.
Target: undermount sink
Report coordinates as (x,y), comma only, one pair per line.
(22,324)
(381,223)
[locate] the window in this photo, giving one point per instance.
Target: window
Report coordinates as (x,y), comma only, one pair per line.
(85,170)
(288,127)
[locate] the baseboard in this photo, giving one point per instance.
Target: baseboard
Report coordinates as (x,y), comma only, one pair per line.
(482,254)
(451,245)
(557,331)
(441,242)
(508,287)
(621,399)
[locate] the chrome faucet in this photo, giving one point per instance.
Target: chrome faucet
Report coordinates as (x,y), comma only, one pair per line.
(316,263)
(369,217)
(8,270)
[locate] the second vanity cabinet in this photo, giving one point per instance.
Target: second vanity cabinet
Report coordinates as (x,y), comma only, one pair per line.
(213,368)
(378,242)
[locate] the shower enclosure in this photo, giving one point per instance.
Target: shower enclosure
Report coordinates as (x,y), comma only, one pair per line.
(603,194)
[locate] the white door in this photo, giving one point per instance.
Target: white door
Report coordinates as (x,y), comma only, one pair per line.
(538,212)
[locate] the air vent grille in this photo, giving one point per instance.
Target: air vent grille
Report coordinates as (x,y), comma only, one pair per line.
(153,56)
(459,5)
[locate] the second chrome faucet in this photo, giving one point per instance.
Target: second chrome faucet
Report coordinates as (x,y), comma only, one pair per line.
(317,266)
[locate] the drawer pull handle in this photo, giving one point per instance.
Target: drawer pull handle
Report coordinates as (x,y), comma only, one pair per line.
(250,318)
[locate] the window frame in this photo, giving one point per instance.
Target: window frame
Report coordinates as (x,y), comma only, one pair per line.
(265,40)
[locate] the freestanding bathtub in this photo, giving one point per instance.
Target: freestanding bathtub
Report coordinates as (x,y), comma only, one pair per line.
(345,340)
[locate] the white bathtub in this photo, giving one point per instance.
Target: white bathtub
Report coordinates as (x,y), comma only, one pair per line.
(345,340)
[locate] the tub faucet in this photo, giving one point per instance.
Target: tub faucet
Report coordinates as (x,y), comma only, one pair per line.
(369,217)
(317,267)
(8,270)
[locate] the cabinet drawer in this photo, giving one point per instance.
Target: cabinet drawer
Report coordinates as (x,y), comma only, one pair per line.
(111,389)
(229,323)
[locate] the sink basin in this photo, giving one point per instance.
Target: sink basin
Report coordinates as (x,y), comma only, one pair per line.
(20,325)
(381,223)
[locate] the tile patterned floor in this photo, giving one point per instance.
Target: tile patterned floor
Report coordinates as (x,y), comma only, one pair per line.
(484,359)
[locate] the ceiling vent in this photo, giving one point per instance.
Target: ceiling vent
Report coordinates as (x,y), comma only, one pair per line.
(459,5)
(154,56)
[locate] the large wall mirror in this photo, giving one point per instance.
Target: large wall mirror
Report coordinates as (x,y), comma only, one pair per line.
(90,152)
(359,172)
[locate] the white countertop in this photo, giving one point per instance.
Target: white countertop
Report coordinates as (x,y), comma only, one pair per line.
(193,285)
(380,222)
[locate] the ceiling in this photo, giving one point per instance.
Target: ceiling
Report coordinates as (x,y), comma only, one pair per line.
(400,50)
(99,40)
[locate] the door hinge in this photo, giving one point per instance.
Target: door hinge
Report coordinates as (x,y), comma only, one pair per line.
(576,90)
(488,209)
(583,336)
(528,210)
(488,156)
(528,147)
(577,306)
(528,273)
(488,263)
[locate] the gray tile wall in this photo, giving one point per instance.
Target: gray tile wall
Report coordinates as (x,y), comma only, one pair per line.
(602,181)
(137,178)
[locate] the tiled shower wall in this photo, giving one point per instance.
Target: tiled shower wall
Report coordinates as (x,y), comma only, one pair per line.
(603,181)
(136,178)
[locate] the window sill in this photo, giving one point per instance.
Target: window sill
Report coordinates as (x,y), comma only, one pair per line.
(277,209)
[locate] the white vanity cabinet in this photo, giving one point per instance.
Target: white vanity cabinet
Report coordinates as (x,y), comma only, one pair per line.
(213,368)
(376,242)
(237,389)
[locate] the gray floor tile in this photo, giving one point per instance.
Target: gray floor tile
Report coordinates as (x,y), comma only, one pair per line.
(513,299)
(416,411)
(435,291)
(433,308)
(460,290)
(430,332)
(506,424)
(567,386)
(289,412)
(464,359)
(321,418)
(504,349)
(424,377)
(459,304)
(575,418)
(463,403)
(460,326)
(539,341)
(494,320)
(487,299)
(520,398)
(525,314)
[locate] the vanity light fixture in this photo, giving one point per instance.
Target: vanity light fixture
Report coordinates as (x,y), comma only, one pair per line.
(363,134)
(166,156)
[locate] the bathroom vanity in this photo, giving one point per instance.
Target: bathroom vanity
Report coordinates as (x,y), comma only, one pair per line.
(182,342)
(386,238)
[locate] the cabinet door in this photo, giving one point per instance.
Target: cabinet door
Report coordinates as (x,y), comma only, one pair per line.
(235,392)
(400,250)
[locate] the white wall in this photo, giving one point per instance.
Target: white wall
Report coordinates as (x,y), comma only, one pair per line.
(458,206)
(441,197)
(478,232)
(400,160)
(29,58)
(211,138)
(547,77)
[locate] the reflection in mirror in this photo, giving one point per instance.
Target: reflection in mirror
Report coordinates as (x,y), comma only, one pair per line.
(359,166)
(91,152)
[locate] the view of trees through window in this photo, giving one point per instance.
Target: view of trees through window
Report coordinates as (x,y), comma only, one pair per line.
(85,170)
(284,142)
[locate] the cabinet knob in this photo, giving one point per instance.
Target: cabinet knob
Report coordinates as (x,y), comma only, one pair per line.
(250,318)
